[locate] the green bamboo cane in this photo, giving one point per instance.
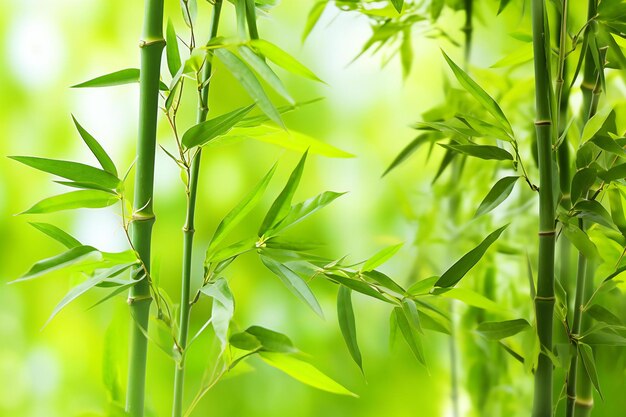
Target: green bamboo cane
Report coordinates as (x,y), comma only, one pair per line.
(544,299)
(143,215)
(189,227)
(583,404)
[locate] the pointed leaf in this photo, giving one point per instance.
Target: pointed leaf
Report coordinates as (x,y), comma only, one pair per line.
(171,49)
(381,257)
(481,151)
(410,335)
(412,315)
(347,324)
(73,200)
(589,363)
(282,59)
(498,193)
(397,4)
(97,150)
(301,211)
(272,341)
(497,330)
(202,133)
(408,151)
(313,18)
(581,183)
(358,286)
(269,76)
(383,280)
(57,234)
(121,77)
(223,307)
(54,263)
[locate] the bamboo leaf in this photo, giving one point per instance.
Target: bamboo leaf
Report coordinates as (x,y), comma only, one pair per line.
(304,372)
(481,151)
(467,261)
(73,200)
(171,49)
(345,316)
(581,241)
(87,186)
(398,4)
(497,330)
(300,211)
(57,262)
(586,356)
(601,314)
(314,16)
(223,307)
(239,212)
(85,286)
(249,82)
(358,286)
(272,341)
(260,66)
(479,94)
(383,280)
(57,234)
(582,181)
(469,297)
(71,170)
(618,172)
(407,151)
(202,133)
(498,193)
(97,150)
(604,338)
(294,283)
(410,335)
(608,144)
(594,124)
(617,210)
(283,59)
(594,211)
(381,257)
(282,205)
(412,315)
(121,77)
(231,251)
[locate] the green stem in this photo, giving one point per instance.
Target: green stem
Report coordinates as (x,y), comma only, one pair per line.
(583,403)
(544,299)
(251,19)
(468,29)
(143,215)
(189,227)
(589,69)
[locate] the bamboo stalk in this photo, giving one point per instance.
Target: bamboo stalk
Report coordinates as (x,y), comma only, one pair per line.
(143,215)
(583,404)
(189,227)
(468,29)
(544,299)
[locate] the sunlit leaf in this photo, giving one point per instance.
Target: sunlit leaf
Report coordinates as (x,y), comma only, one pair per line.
(497,330)
(97,150)
(57,234)
(481,151)
(300,211)
(54,263)
(282,59)
(171,49)
(201,133)
(410,335)
(347,324)
(73,200)
(223,307)
(498,193)
(267,74)
(589,363)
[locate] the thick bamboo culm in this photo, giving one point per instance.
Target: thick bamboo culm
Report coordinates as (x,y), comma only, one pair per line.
(151,45)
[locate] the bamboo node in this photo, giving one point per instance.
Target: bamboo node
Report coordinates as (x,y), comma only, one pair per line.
(543,122)
(144,43)
(547,232)
(133,300)
(138,217)
(189,229)
(540,298)
(585,403)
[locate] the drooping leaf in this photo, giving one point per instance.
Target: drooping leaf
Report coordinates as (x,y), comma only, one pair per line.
(74,171)
(240,211)
(407,151)
(202,133)
(498,193)
(223,307)
(57,234)
(358,286)
(249,82)
(593,211)
(481,151)
(580,240)
(381,257)
(54,263)
(497,330)
(594,124)
(467,261)
(269,76)
(410,335)
(97,150)
(479,94)
(398,4)
(282,205)
(347,324)
(304,372)
(283,59)
(272,341)
(589,364)
(73,200)
(603,315)
(294,283)
(300,211)
(383,280)
(313,18)
(412,314)
(617,209)
(171,49)
(581,182)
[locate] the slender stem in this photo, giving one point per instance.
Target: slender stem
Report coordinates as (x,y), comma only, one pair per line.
(143,215)
(544,299)
(189,228)
(468,29)
(251,19)
(589,69)
(583,403)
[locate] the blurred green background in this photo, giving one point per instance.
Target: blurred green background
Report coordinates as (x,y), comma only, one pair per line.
(57,371)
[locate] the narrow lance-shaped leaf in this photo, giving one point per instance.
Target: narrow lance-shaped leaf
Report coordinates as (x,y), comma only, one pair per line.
(304,372)
(121,77)
(171,49)
(283,59)
(202,133)
(410,335)
(467,261)
(249,82)
(97,150)
(408,151)
(498,193)
(502,329)
(300,211)
(54,263)
(481,151)
(479,94)
(398,4)
(261,67)
(581,182)
(294,283)
(347,324)
(617,209)
(73,200)
(358,286)
(272,341)
(313,18)
(57,234)
(74,171)
(586,355)
(223,307)
(381,257)
(241,210)
(469,297)
(282,205)
(412,314)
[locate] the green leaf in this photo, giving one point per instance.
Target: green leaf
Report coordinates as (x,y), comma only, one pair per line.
(294,283)
(601,314)
(260,66)
(412,315)
(469,297)
(407,151)
(608,144)
(85,286)
(282,205)
(283,59)
(71,170)
(240,211)
(496,330)
(594,124)
(580,240)
(381,257)
(249,82)
(345,316)
(223,307)
(481,151)
(397,4)
(581,182)
(300,211)
(467,261)
(201,133)
(604,338)
(272,341)
(73,200)
(589,363)
(87,186)
(479,94)
(383,280)
(97,150)
(498,193)
(54,263)
(358,286)
(121,77)
(410,335)
(171,49)
(593,211)
(57,234)
(313,18)
(231,251)
(617,210)
(423,286)
(304,372)
(618,172)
